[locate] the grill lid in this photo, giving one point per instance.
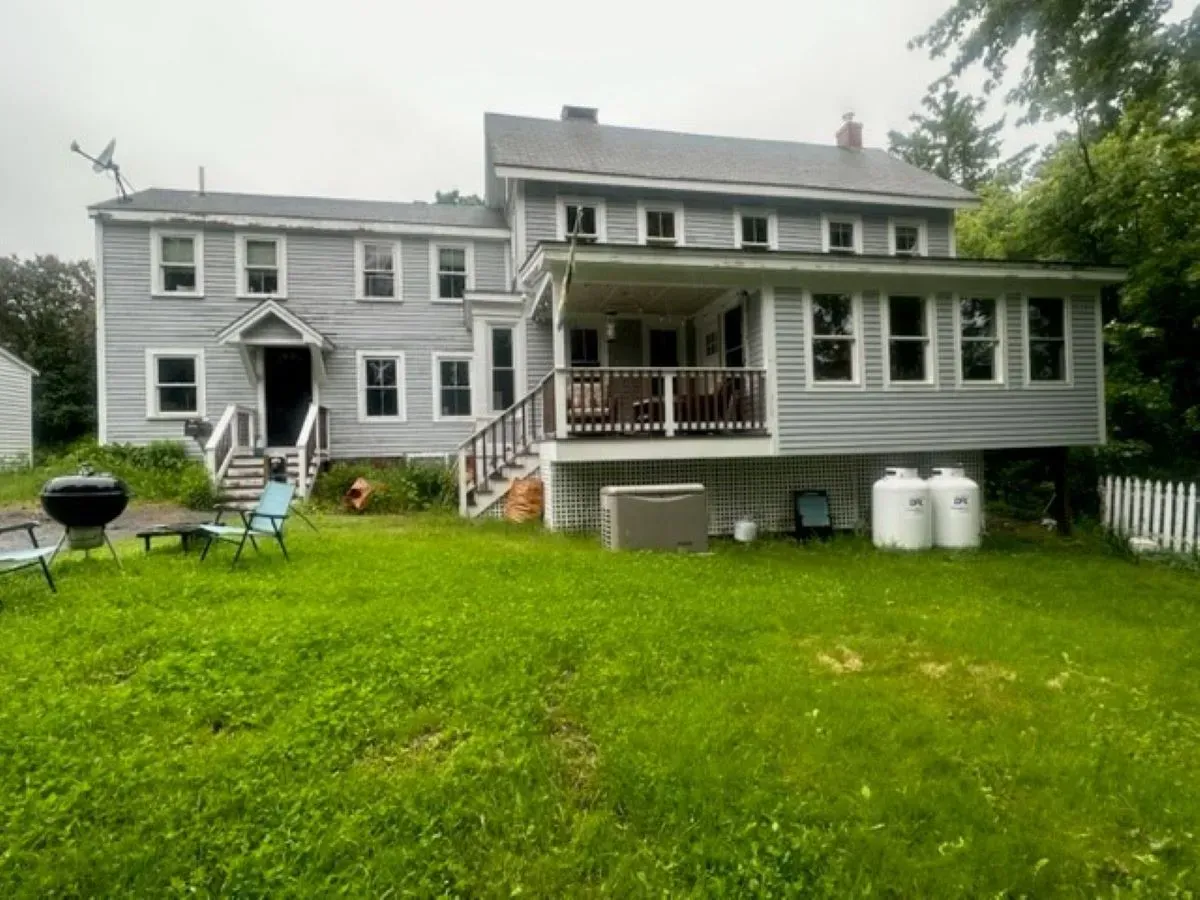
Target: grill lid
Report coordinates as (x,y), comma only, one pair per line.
(85,484)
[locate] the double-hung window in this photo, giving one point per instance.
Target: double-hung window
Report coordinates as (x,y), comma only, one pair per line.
(909,343)
(979,340)
(504,369)
(452,271)
(755,230)
(907,237)
(660,226)
(262,266)
(1046,326)
(833,326)
(381,386)
(178,263)
(174,384)
(841,234)
(582,220)
(378,270)
(453,386)
(585,348)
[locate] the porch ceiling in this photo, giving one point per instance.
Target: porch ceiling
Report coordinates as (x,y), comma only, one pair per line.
(655,299)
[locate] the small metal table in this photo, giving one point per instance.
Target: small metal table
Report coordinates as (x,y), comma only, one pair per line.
(186,532)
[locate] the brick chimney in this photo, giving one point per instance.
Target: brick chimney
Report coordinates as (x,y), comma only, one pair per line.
(580,114)
(849,136)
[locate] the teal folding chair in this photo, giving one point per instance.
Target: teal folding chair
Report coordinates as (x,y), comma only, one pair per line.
(266,520)
(16,560)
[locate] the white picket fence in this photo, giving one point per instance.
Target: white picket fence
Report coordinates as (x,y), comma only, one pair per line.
(1151,511)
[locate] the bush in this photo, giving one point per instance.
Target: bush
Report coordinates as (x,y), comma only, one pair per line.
(399,486)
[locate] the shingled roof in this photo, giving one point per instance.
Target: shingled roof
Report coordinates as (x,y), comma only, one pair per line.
(587,148)
(163,200)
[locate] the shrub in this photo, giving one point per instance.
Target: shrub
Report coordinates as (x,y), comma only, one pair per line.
(400,487)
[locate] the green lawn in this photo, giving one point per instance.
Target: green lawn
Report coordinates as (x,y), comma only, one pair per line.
(425,707)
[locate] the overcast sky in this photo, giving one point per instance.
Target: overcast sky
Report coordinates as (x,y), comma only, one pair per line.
(386,100)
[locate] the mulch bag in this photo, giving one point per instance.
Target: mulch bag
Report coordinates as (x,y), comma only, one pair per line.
(360,492)
(524,501)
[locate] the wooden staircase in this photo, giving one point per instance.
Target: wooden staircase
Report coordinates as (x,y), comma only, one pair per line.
(246,476)
(239,471)
(504,450)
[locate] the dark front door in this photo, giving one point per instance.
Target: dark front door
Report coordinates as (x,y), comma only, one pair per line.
(287,382)
(664,348)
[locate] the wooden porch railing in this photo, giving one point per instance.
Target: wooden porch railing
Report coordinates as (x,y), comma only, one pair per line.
(312,445)
(483,456)
(235,431)
(667,402)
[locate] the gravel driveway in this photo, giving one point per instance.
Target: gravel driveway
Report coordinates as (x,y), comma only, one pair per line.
(137,517)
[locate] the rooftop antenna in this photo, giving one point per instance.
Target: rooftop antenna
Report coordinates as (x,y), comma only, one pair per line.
(104,163)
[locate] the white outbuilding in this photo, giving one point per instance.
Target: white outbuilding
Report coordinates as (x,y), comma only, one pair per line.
(16,408)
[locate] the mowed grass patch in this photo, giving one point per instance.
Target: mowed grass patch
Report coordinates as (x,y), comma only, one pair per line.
(423,706)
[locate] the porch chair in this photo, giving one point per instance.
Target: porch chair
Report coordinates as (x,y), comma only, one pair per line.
(266,520)
(15,560)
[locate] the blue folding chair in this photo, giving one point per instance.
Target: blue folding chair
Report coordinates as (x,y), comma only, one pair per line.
(266,520)
(15,560)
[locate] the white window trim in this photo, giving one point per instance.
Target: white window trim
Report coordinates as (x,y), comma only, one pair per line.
(280,240)
(646,206)
(156,273)
(929,305)
(772,225)
(922,227)
(1001,379)
(828,219)
(518,366)
(588,322)
(152,357)
(857,359)
(468,247)
(1068,379)
(360,361)
(601,216)
(360,262)
(438,358)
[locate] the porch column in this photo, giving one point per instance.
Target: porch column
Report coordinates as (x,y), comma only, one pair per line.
(559,336)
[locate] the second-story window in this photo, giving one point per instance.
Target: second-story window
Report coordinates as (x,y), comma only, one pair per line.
(1046,323)
(178,263)
(834,347)
(452,272)
(660,225)
(842,234)
(263,266)
(907,237)
(756,233)
(582,223)
(377,276)
(908,344)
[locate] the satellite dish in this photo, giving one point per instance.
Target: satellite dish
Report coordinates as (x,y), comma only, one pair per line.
(104,160)
(104,163)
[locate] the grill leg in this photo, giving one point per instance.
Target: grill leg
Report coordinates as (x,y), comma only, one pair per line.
(113,551)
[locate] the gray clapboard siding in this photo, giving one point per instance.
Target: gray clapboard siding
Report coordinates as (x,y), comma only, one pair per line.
(320,287)
(16,411)
(754,331)
(709,219)
(945,416)
(539,352)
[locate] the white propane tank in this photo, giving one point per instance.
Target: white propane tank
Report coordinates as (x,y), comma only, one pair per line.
(900,515)
(957,513)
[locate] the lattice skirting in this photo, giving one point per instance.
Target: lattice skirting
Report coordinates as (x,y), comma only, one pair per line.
(758,489)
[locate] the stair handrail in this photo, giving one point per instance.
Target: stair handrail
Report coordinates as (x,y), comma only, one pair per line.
(485,453)
(307,447)
(224,442)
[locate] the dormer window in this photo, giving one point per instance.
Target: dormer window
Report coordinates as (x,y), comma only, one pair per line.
(581,220)
(842,234)
(907,237)
(660,226)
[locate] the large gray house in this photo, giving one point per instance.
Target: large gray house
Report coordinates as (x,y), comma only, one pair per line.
(629,306)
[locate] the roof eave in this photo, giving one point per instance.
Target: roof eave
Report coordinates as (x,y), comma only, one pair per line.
(534,173)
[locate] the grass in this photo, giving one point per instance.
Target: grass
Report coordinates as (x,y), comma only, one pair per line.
(423,707)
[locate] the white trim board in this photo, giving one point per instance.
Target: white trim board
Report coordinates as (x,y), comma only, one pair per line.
(285,223)
(578,449)
(730,187)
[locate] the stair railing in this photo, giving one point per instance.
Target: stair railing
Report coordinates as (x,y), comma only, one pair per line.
(484,455)
(234,432)
(310,446)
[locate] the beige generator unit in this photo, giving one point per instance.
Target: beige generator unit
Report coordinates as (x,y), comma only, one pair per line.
(654,517)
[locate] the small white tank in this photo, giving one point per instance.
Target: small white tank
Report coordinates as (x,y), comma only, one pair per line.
(900,515)
(957,509)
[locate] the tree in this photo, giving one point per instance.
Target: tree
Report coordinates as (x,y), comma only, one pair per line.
(949,140)
(47,319)
(456,198)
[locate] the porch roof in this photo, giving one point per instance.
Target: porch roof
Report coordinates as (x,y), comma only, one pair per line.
(688,271)
(270,323)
